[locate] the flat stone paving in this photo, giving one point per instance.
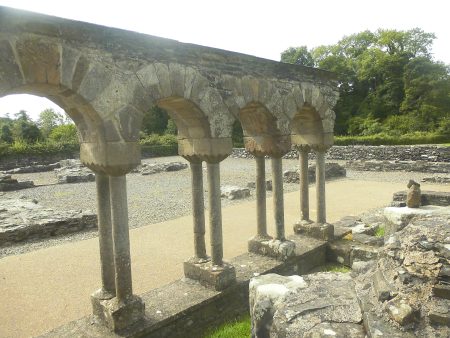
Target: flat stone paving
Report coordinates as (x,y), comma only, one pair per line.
(47,288)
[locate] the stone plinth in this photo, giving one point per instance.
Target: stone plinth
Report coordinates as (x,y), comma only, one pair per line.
(320,231)
(275,248)
(116,315)
(218,277)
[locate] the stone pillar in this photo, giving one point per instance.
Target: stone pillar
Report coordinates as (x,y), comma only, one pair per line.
(320,185)
(198,209)
(125,308)
(215,213)
(213,272)
(108,289)
(303,152)
(119,211)
(261,217)
(278,201)
(320,229)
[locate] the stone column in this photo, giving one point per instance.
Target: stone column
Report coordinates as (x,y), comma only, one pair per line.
(278,202)
(125,308)
(198,209)
(320,229)
(212,272)
(320,185)
(108,289)
(215,213)
(303,151)
(119,211)
(261,217)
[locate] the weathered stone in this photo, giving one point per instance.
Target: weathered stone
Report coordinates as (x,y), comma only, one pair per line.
(22,219)
(275,248)
(217,277)
(35,168)
(398,218)
(154,168)
(323,232)
(9,184)
(233,192)
(322,303)
(73,171)
(400,311)
(413,197)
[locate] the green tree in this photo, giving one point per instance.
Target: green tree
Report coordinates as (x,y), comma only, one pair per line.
(298,56)
(48,120)
(6,134)
(23,128)
(388,79)
(155,121)
(65,133)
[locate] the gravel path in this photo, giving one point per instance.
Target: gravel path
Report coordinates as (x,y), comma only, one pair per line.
(158,197)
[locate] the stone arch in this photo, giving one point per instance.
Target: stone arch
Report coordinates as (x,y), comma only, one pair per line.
(261,133)
(186,89)
(104,102)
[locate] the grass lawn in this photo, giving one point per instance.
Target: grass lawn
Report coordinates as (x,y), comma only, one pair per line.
(239,328)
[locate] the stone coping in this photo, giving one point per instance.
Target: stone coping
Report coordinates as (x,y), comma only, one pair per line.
(186,308)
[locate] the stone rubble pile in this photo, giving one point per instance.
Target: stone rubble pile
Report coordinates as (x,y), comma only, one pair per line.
(23,219)
(409,166)
(407,292)
(332,170)
(73,171)
(154,168)
(9,184)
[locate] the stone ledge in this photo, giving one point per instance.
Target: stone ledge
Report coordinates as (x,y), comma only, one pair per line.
(185,308)
(319,231)
(281,250)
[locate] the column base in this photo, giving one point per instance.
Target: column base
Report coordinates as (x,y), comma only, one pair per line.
(118,316)
(275,248)
(209,275)
(322,231)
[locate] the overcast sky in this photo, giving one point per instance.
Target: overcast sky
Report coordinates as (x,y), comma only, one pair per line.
(262,28)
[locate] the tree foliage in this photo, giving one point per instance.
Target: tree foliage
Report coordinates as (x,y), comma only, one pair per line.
(389,81)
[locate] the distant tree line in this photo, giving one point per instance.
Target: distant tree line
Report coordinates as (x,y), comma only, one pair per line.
(389,82)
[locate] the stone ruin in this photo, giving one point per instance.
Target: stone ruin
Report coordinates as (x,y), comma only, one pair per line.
(73,171)
(399,285)
(7,183)
(24,219)
(154,168)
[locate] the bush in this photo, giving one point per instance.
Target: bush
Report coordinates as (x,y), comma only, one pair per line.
(385,139)
(66,133)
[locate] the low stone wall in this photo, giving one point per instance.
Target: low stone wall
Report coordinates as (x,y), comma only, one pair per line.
(417,166)
(23,219)
(428,153)
(11,162)
(440,198)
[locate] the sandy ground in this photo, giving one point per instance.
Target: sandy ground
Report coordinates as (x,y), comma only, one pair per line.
(49,287)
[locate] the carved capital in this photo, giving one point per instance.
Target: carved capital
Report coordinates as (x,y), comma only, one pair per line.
(305,148)
(211,150)
(273,146)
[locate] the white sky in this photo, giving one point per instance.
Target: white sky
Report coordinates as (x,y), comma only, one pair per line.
(262,28)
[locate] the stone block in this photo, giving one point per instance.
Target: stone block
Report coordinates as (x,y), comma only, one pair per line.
(323,232)
(218,277)
(402,312)
(233,192)
(252,185)
(117,316)
(381,287)
(280,250)
(363,253)
(442,291)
